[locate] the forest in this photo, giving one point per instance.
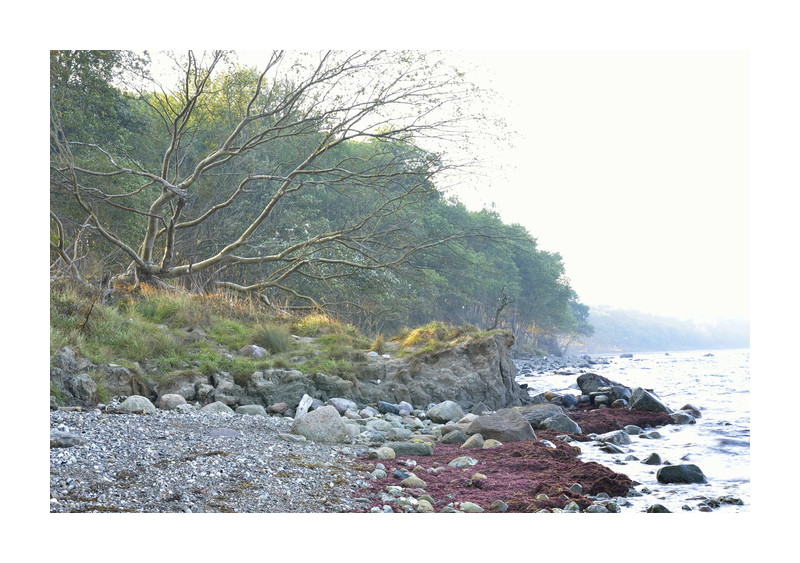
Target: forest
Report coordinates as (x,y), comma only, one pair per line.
(315,182)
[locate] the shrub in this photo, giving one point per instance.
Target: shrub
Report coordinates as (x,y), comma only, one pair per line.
(274,338)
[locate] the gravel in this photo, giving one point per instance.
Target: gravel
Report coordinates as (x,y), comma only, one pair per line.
(172,461)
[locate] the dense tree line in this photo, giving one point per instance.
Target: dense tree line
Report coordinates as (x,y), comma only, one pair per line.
(303,182)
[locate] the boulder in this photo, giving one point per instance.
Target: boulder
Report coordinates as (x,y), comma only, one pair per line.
(252,410)
(227,391)
(642,400)
(321,425)
(187,384)
(689,473)
(473,442)
(536,414)
(682,418)
(342,405)
(561,423)
(617,437)
(410,448)
(479,371)
(454,437)
(254,351)
(506,425)
(121,381)
(170,401)
(278,408)
(137,404)
(218,407)
(78,389)
(445,412)
(591,383)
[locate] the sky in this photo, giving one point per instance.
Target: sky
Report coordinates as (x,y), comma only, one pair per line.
(633,165)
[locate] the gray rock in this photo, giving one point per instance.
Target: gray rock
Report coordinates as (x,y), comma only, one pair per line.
(463,461)
(217,406)
(632,429)
(121,381)
(478,371)
(682,418)
(404,408)
(61,439)
(642,400)
(498,506)
(692,410)
(252,410)
(473,442)
(379,424)
(294,438)
(410,448)
(617,437)
(398,434)
(689,473)
(170,401)
(506,425)
(321,425)
(137,404)
(591,383)
(385,407)
(254,351)
(454,437)
(561,423)
(652,459)
(658,508)
(342,405)
(538,413)
(445,412)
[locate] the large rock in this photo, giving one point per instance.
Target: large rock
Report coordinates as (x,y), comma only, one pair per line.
(536,414)
(170,401)
(506,425)
(321,425)
(342,405)
(642,400)
(187,384)
(478,371)
(445,412)
(137,404)
(121,381)
(591,383)
(680,474)
(561,423)
(217,407)
(410,448)
(74,389)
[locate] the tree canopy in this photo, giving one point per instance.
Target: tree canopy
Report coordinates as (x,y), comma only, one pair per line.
(306,182)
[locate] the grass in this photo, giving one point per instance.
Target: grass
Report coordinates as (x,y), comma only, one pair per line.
(179,332)
(435,337)
(154,327)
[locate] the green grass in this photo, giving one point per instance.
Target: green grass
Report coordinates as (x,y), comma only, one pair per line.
(158,328)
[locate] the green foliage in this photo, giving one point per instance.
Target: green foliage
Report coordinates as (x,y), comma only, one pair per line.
(381,190)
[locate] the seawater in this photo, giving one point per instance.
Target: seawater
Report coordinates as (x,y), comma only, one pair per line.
(717,382)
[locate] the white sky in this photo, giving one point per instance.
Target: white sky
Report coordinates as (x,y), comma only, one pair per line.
(633,165)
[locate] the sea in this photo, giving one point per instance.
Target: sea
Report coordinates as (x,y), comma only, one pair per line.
(717,382)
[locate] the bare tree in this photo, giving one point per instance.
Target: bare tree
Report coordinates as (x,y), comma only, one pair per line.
(317,103)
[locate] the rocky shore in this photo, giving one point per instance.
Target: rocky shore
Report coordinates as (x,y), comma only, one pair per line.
(340,455)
